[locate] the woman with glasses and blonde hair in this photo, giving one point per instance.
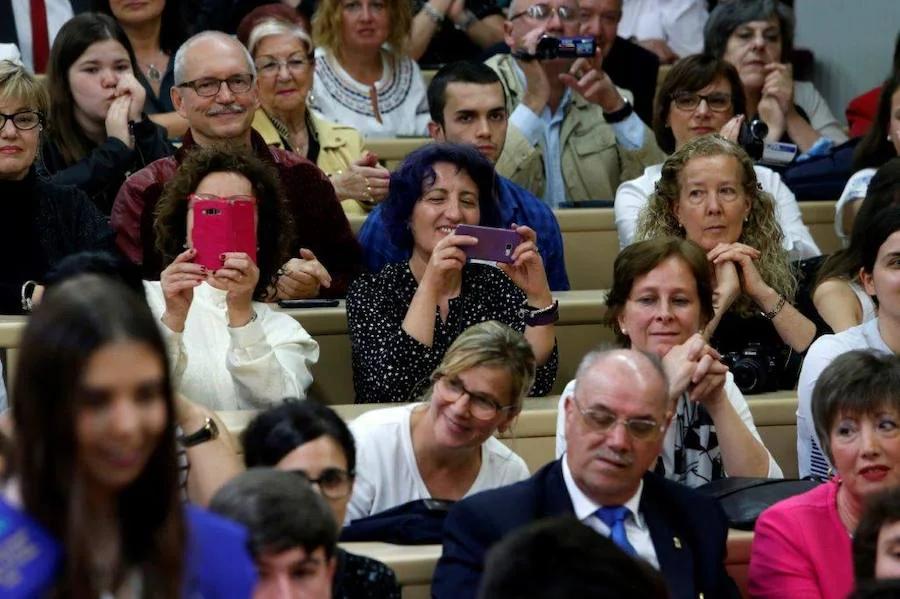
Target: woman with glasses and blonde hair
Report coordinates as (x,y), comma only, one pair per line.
(660,300)
(443,447)
(285,65)
(41,222)
(363,77)
(701,95)
(309,439)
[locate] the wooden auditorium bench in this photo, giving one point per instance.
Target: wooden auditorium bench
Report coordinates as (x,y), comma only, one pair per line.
(415,564)
(392,150)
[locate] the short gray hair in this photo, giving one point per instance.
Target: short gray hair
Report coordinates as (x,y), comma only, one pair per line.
(269,27)
(728,16)
(181,54)
(604,352)
(858,382)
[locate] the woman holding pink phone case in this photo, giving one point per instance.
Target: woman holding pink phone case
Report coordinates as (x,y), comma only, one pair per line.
(229,350)
(403,319)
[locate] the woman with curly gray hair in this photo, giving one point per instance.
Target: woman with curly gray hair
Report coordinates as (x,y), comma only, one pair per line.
(708,192)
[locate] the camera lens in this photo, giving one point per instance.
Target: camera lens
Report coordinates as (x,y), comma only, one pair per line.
(749,375)
(759,129)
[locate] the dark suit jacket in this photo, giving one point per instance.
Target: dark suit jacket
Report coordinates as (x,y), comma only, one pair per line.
(693,564)
(635,69)
(8,23)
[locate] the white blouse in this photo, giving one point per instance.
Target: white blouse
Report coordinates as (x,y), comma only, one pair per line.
(224,368)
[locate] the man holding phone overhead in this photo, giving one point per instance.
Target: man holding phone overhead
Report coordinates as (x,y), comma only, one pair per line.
(468,105)
(216,91)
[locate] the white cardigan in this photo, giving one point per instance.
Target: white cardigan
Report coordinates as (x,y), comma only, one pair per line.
(224,368)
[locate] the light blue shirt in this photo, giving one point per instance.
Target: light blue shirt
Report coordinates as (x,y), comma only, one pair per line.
(544,130)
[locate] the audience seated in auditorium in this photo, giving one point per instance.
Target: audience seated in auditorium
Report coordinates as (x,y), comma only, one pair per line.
(94,455)
(228,349)
(309,439)
(440,447)
(443,31)
(573,136)
(630,66)
(708,193)
(34,39)
(660,302)
(468,105)
(671,29)
(880,144)
(215,90)
(756,36)
(285,63)
(41,222)
(876,538)
(802,545)
(363,77)
(292,533)
(97,132)
(561,557)
(155,29)
(879,251)
(402,319)
(839,295)
(702,95)
(207,453)
(602,480)
(862,110)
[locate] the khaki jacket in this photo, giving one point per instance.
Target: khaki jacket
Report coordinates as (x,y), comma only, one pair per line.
(339,145)
(593,163)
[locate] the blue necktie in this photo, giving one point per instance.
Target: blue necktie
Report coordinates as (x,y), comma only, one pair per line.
(614,517)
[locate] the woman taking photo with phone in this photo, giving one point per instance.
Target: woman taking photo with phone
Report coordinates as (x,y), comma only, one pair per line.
(94,456)
(98,132)
(404,318)
(229,350)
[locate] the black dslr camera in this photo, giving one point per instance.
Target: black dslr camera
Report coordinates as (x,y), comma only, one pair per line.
(548,48)
(757,368)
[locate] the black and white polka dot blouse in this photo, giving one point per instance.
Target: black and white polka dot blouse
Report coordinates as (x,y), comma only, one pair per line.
(391,366)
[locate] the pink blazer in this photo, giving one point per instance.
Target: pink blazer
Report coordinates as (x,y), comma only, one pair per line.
(801,549)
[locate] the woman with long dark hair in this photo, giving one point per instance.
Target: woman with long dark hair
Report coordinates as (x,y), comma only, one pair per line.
(98,132)
(94,457)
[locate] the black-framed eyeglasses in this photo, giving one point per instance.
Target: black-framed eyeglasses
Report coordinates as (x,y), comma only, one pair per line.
(333,482)
(24,120)
(542,12)
(716,101)
(206,87)
(270,67)
(480,406)
(602,420)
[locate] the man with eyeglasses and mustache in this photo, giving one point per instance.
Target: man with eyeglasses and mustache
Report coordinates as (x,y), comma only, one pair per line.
(603,480)
(216,91)
(573,136)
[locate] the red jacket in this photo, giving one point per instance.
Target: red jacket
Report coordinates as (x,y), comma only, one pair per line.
(321,225)
(861,112)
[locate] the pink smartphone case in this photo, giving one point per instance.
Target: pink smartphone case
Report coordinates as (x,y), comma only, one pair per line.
(223,226)
(494,245)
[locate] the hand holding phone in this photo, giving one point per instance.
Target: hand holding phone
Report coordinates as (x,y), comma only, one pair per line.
(222,225)
(494,245)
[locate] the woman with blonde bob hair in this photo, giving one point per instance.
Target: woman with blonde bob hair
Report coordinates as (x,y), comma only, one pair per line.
(363,77)
(445,446)
(708,193)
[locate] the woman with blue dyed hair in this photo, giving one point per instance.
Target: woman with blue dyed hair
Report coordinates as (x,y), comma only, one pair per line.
(403,319)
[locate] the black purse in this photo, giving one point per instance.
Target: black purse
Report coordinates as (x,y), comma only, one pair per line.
(743,499)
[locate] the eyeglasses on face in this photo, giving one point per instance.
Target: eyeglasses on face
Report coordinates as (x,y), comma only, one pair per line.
(716,101)
(480,406)
(269,67)
(24,120)
(206,87)
(542,12)
(333,482)
(602,420)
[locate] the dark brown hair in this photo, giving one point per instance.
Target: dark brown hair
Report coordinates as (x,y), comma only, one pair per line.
(640,258)
(881,510)
(76,319)
(691,74)
(275,225)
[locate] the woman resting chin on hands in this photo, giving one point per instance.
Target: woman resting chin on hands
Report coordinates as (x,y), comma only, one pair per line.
(228,349)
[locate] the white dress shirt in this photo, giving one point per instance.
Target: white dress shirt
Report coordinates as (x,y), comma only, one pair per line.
(58,12)
(636,528)
(632,196)
(679,22)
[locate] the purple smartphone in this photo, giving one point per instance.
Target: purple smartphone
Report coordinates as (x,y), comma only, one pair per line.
(494,245)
